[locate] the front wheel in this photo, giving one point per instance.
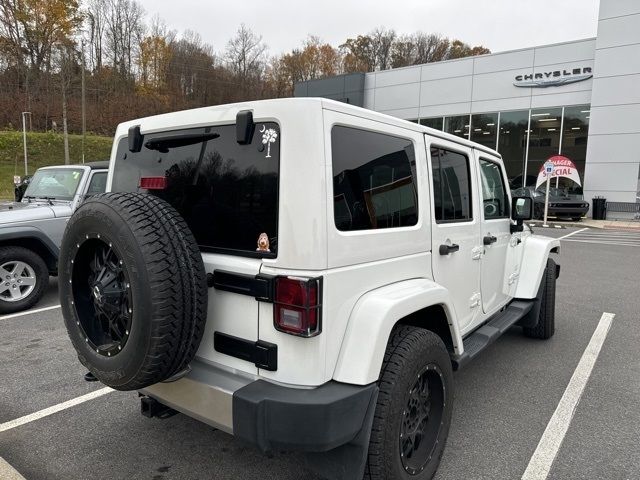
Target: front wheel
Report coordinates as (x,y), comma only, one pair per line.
(23,276)
(547,318)
(413,411)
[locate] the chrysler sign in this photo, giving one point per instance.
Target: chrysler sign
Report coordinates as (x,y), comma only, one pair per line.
(553,78)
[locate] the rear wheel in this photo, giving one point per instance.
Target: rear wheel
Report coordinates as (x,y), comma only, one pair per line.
(547,317)
(132,289)
(413,412)
(24,277)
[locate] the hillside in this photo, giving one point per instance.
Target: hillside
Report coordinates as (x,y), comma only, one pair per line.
(44,149)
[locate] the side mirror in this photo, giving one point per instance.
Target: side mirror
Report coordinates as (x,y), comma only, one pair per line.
(521,210)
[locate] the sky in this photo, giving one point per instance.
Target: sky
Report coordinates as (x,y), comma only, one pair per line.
(284,24)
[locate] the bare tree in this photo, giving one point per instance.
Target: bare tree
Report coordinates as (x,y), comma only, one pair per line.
(96,19)
(382,41)
(67,65)
(123,33)
(245,53)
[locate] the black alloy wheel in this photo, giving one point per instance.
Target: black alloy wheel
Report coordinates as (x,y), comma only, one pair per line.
(422,419)
(103,296)
(413,408)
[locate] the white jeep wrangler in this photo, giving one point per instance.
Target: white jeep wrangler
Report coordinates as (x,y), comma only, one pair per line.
(302,274)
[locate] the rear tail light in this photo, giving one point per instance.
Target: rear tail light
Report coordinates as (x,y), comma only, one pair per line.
(153,183)
(297,306)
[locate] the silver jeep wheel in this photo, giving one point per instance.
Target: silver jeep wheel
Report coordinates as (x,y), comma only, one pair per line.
(18,281)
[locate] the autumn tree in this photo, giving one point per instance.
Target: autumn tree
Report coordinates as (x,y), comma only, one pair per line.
(30,28)
(154,57)
(314,60)
(358,55)
(459,49)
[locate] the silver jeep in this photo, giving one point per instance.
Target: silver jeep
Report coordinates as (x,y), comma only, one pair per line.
(31,229)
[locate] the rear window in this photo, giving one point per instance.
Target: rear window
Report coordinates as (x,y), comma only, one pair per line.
(226,192)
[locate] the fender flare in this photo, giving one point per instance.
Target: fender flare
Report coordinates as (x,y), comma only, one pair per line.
(534,260)
(23,232)
(374,316)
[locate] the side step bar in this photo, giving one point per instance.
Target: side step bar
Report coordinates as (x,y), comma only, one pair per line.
(490,331)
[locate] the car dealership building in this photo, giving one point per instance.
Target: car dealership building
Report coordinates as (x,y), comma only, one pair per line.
(579,99)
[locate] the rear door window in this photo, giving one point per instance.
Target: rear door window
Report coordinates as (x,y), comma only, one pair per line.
(226,192)
(373,180)
(451,186)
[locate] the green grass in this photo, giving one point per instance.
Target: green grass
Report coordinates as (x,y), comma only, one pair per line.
(44,149)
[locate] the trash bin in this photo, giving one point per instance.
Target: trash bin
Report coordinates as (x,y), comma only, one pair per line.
(599,208)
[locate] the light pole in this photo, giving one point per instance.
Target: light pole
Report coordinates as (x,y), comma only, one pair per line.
(24,139)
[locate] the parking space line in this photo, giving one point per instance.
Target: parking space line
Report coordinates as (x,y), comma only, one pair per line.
(29,312)
(549,445)
(573,233)
(7,472)
(55,409)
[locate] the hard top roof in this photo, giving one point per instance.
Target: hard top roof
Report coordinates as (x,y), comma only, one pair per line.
(197,115)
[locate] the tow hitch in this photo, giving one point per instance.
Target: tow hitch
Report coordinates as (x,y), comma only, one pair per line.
(150,407)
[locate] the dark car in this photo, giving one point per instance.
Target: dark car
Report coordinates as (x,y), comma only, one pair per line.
(561,203)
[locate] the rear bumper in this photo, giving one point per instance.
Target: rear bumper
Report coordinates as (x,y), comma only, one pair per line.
(568,211)
(271,416)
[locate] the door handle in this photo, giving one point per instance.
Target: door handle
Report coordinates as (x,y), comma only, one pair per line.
(447,249)
(489,239)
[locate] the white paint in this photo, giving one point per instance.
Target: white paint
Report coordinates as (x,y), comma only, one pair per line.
(573,233)
(54,409)
(605,242)
(549,445)
(7,472)
(29,312)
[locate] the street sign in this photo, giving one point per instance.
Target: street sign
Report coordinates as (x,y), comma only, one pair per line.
(548,167)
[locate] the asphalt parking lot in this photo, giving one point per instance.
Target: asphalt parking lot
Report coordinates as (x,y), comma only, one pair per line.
(504,399)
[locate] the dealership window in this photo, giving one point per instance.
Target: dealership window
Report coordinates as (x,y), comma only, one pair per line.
(544,137)
(451,186)
(458,125)
(435,122)
(373,180)
(484,128)
(512,144)
(574,142)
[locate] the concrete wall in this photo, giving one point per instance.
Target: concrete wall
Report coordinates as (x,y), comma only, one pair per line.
(613,149)
(480,84)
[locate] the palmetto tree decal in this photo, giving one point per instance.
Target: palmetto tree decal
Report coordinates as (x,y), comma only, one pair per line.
(269,136)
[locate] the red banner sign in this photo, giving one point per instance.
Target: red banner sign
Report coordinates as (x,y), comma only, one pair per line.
(562,167)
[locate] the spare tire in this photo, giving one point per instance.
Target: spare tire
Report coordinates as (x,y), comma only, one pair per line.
(132,288)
